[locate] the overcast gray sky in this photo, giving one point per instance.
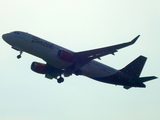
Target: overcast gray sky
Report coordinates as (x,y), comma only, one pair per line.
(80,25)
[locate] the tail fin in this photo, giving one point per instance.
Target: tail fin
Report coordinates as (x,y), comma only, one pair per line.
(134,69)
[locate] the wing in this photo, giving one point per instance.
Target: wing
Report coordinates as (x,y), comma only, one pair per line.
(84,57)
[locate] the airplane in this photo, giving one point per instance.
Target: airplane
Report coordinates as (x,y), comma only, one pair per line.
(61,61)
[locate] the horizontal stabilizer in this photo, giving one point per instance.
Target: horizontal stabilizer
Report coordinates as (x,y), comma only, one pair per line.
(140,82)
(145,79)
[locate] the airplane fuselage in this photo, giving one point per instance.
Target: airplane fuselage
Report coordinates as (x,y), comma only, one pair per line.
(49,52)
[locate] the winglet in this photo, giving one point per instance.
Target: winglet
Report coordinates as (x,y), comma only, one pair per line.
(135,39)
(119,46)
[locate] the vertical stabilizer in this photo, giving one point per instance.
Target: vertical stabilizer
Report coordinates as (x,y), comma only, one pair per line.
(134,69)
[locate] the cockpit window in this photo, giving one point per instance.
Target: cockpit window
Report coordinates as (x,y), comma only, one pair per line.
(16,33)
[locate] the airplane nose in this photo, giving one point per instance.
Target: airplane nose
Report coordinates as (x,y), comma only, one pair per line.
(4,37)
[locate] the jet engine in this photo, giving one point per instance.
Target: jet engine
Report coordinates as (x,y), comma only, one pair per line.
(65,56)
(39,67)
(49,71)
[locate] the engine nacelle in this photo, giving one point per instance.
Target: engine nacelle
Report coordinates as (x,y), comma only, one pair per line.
(65,56)
(39,67)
